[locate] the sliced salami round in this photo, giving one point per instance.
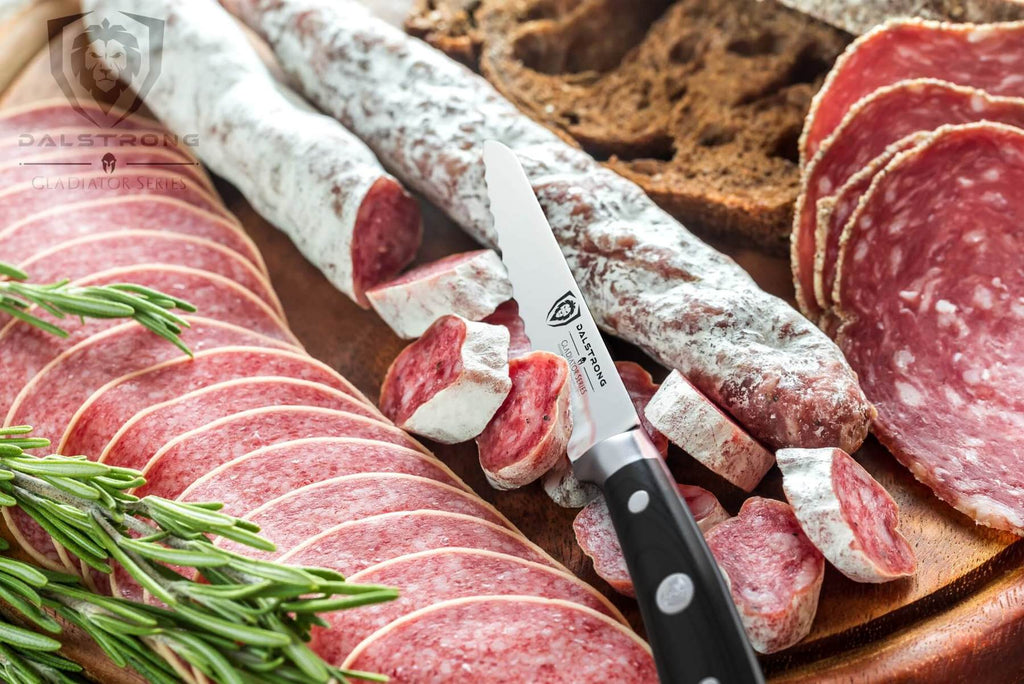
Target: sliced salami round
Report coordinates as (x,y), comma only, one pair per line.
(693,422)
(50,115)
(51,165)
(773,570)
(642,388)
(85,255)
(357,545)
(175,465)
(529,433)
(470,285)
(596,535)
(448,384)
(988,56)
(301,514)
(929,290)
(507,638)
(147,431)
(24,145)
(845,513)
(25,349)
(424,579)
(111,406)
(507,315)
(871,125)
(43,230)
(249,481)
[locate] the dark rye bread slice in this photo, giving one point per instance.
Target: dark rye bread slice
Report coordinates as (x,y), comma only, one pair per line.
(859,17)
(700,102)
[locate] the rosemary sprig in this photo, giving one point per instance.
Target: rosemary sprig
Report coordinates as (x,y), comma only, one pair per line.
(150,308)
(249,621)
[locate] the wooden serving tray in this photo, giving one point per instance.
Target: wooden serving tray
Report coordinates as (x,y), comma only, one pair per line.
(959,619)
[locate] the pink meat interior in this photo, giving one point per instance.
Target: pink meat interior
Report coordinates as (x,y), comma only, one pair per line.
(424,368)
(387,235)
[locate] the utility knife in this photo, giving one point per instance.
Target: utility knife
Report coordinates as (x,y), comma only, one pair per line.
(692,625)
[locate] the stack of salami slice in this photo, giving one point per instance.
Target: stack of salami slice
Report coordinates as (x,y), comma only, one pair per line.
(253,421)
(906,248)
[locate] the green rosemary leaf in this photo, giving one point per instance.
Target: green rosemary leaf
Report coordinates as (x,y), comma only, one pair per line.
(211,558)
(26,639)
(328,605)
(12,272)
(22,571)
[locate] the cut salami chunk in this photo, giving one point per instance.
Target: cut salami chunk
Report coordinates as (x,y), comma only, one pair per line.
(81,257)
(507,315)
(988,56)
(39,232)
(872,124)
(24,145)
(249,481)
(49,115)
(287,521)
(102,415)
(470,285)
(693,422)
(52,165)
(140,438)
(529,433)
(25,349)
(424,579)
(596,535)
(774,572)
(357,545)
(642,388)
(507,638)
(448,384)
(929,289)
(20,201)
(190,455)
(845,513)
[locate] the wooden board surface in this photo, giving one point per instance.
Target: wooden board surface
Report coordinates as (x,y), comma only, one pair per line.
(958,619)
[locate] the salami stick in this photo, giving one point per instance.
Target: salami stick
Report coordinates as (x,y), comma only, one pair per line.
(302,171)
(646,278)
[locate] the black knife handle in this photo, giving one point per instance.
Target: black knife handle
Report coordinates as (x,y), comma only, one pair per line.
(691,622)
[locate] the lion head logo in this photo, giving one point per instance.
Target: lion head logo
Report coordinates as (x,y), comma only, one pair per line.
(564,311)
(106,58)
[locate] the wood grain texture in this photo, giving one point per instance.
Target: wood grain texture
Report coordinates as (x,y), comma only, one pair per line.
(958,619)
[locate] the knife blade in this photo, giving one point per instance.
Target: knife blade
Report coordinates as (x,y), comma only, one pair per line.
(693,627)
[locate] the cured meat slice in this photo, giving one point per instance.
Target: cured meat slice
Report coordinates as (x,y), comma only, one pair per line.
(20,201)
(325,189)
(872,124)
(507,315)
(23,145)
(80,257)
(988,56)
(448,384)
(508,638)
(774,572)
(645,277)
(287,522)
(111,406)
(249,481)
(845,513)
(49,165)
(424,579)
(357,545)
(596,535)
(48,402)
(642,388)
(693,422)
(140,438)
(929,291)
(54,114)
(470,285)
(25,349)
(39,232)
(529,433)
(190,455)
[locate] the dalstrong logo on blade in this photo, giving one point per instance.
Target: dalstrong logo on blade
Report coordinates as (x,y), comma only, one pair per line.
(564,311)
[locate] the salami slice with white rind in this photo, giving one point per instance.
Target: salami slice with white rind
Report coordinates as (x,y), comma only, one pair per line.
(930,293)
(693,422)
(529,433)
(507,638)
(448,384)
(290,520)
(140,438)
(190,455)
(642,388)
(249,481)
(773,570)
(424,579)
(596,534)
(845,513)
(470,285)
